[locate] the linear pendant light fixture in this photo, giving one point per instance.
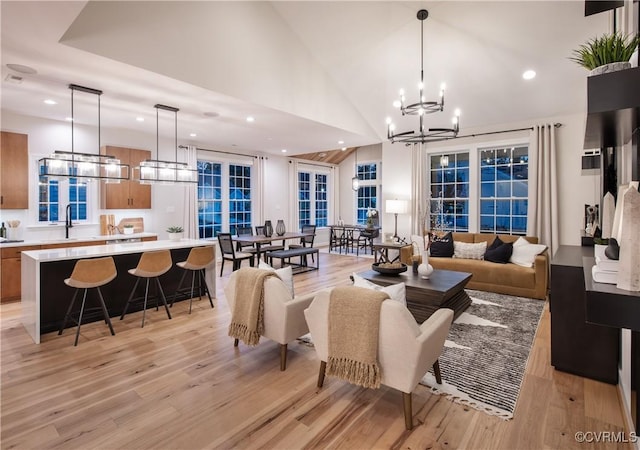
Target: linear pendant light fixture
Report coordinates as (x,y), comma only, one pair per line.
(153,171)
(83,166)
(422,107)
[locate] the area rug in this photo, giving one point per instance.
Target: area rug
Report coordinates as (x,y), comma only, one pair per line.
(486,352)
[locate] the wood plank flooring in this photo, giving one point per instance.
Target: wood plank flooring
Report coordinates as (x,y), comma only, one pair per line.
(180,384)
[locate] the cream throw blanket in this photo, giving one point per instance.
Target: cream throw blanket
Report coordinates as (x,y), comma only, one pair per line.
(354,322)
(247,318)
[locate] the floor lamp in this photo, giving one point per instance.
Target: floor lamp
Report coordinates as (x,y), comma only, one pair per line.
(396,207)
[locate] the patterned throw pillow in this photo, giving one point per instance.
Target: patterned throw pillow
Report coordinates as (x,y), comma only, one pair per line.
(442,246)
(464,250)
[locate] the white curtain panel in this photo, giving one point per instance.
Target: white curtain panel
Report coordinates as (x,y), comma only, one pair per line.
(190,212)
(259,169)
(419,197)
(543,187)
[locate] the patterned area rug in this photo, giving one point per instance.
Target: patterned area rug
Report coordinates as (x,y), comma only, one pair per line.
(486,352)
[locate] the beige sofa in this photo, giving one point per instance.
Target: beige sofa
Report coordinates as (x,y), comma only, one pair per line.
(509,278)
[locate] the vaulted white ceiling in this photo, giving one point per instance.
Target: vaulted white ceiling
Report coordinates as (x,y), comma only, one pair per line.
(311,73)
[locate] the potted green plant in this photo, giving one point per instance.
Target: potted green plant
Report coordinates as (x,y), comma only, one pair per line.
(608,53)
(127,228)
(175,233)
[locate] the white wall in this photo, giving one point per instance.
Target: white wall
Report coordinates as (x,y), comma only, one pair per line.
(347,197)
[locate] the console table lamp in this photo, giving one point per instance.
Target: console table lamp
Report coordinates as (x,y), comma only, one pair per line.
(396,207)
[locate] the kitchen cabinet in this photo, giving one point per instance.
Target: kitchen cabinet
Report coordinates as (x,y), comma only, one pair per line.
(128,194)
(11,271)
(14,178)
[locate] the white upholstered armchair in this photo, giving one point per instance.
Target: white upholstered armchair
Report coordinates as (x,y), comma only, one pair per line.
(283,314)
(406,350)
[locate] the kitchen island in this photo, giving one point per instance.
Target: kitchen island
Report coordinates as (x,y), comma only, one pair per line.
(45,297)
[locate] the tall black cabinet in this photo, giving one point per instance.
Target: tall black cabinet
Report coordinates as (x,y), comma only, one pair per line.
(578,347)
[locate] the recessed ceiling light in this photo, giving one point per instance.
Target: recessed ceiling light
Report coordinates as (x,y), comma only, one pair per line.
(341,142)
(193,135)
(250,119)
(343,148)
(284,150)
(22,69)
(50,102)
(140,119)
(529,74)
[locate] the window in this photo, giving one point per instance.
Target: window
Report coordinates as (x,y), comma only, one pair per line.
(449,209)
(214,214)
(313,195)
(482,189)
(367,194)
(239,197)
(209,199)
(50,199)
(504,190)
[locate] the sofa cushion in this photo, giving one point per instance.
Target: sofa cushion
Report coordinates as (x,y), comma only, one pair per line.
(488,273)
(524,253)
(501,253)
(465,250)
(442,246)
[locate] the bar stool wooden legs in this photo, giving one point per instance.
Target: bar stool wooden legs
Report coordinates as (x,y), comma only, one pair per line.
(88,274)
(198,260)
(151,265)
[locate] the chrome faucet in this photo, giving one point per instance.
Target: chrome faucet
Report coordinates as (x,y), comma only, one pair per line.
(67,221)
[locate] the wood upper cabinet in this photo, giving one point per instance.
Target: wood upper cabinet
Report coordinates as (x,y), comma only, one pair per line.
(126,194)
(14,177)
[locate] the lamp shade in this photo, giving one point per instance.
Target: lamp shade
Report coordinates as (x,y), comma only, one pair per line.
(397,206)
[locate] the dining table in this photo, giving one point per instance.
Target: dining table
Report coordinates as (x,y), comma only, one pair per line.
(259,240)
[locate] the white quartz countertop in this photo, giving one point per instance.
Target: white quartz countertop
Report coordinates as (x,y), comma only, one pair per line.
(93,251)
(112,237)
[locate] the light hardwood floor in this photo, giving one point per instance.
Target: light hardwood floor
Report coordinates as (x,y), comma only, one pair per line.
(180,383)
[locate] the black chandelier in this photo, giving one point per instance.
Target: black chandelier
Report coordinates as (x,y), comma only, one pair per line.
(422,107)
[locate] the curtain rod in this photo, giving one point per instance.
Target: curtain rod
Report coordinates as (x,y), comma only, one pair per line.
(556,125)
(329,166)
(220,151)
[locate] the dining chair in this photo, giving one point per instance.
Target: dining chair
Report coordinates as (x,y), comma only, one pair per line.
(229,252)
(268,248)
(245,247)
(307,241)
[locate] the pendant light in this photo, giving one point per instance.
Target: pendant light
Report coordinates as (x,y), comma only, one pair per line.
(355,181)
(152,171)
(83,166)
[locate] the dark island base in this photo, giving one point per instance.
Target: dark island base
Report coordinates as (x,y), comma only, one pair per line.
(56,295)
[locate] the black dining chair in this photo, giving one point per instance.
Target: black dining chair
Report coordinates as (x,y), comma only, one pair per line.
(245,247)
(366,237)
(229,252)
(267,248)
(306,241)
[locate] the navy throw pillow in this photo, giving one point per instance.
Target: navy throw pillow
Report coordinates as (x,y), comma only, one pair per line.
(442,246)
(501,254)
(497,242)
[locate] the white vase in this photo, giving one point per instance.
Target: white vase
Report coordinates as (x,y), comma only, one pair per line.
(611,67)
(175,236)
(425,269)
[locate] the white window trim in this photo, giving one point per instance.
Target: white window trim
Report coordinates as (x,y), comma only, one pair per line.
(312,170)
(377,183)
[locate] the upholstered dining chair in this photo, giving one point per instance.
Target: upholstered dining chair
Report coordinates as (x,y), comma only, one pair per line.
(406,350)
(242,246)
(229,253)
(283,313)
(267,248)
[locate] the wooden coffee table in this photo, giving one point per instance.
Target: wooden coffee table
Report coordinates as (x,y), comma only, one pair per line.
(443,289)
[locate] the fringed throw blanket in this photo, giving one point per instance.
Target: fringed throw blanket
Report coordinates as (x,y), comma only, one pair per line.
(354,321)
(247,318)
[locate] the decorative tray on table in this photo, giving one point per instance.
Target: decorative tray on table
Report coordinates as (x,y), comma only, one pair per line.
(389,268)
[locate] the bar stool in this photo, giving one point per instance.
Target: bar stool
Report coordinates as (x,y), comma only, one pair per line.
(151,265)
(199,259)
(88,274)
